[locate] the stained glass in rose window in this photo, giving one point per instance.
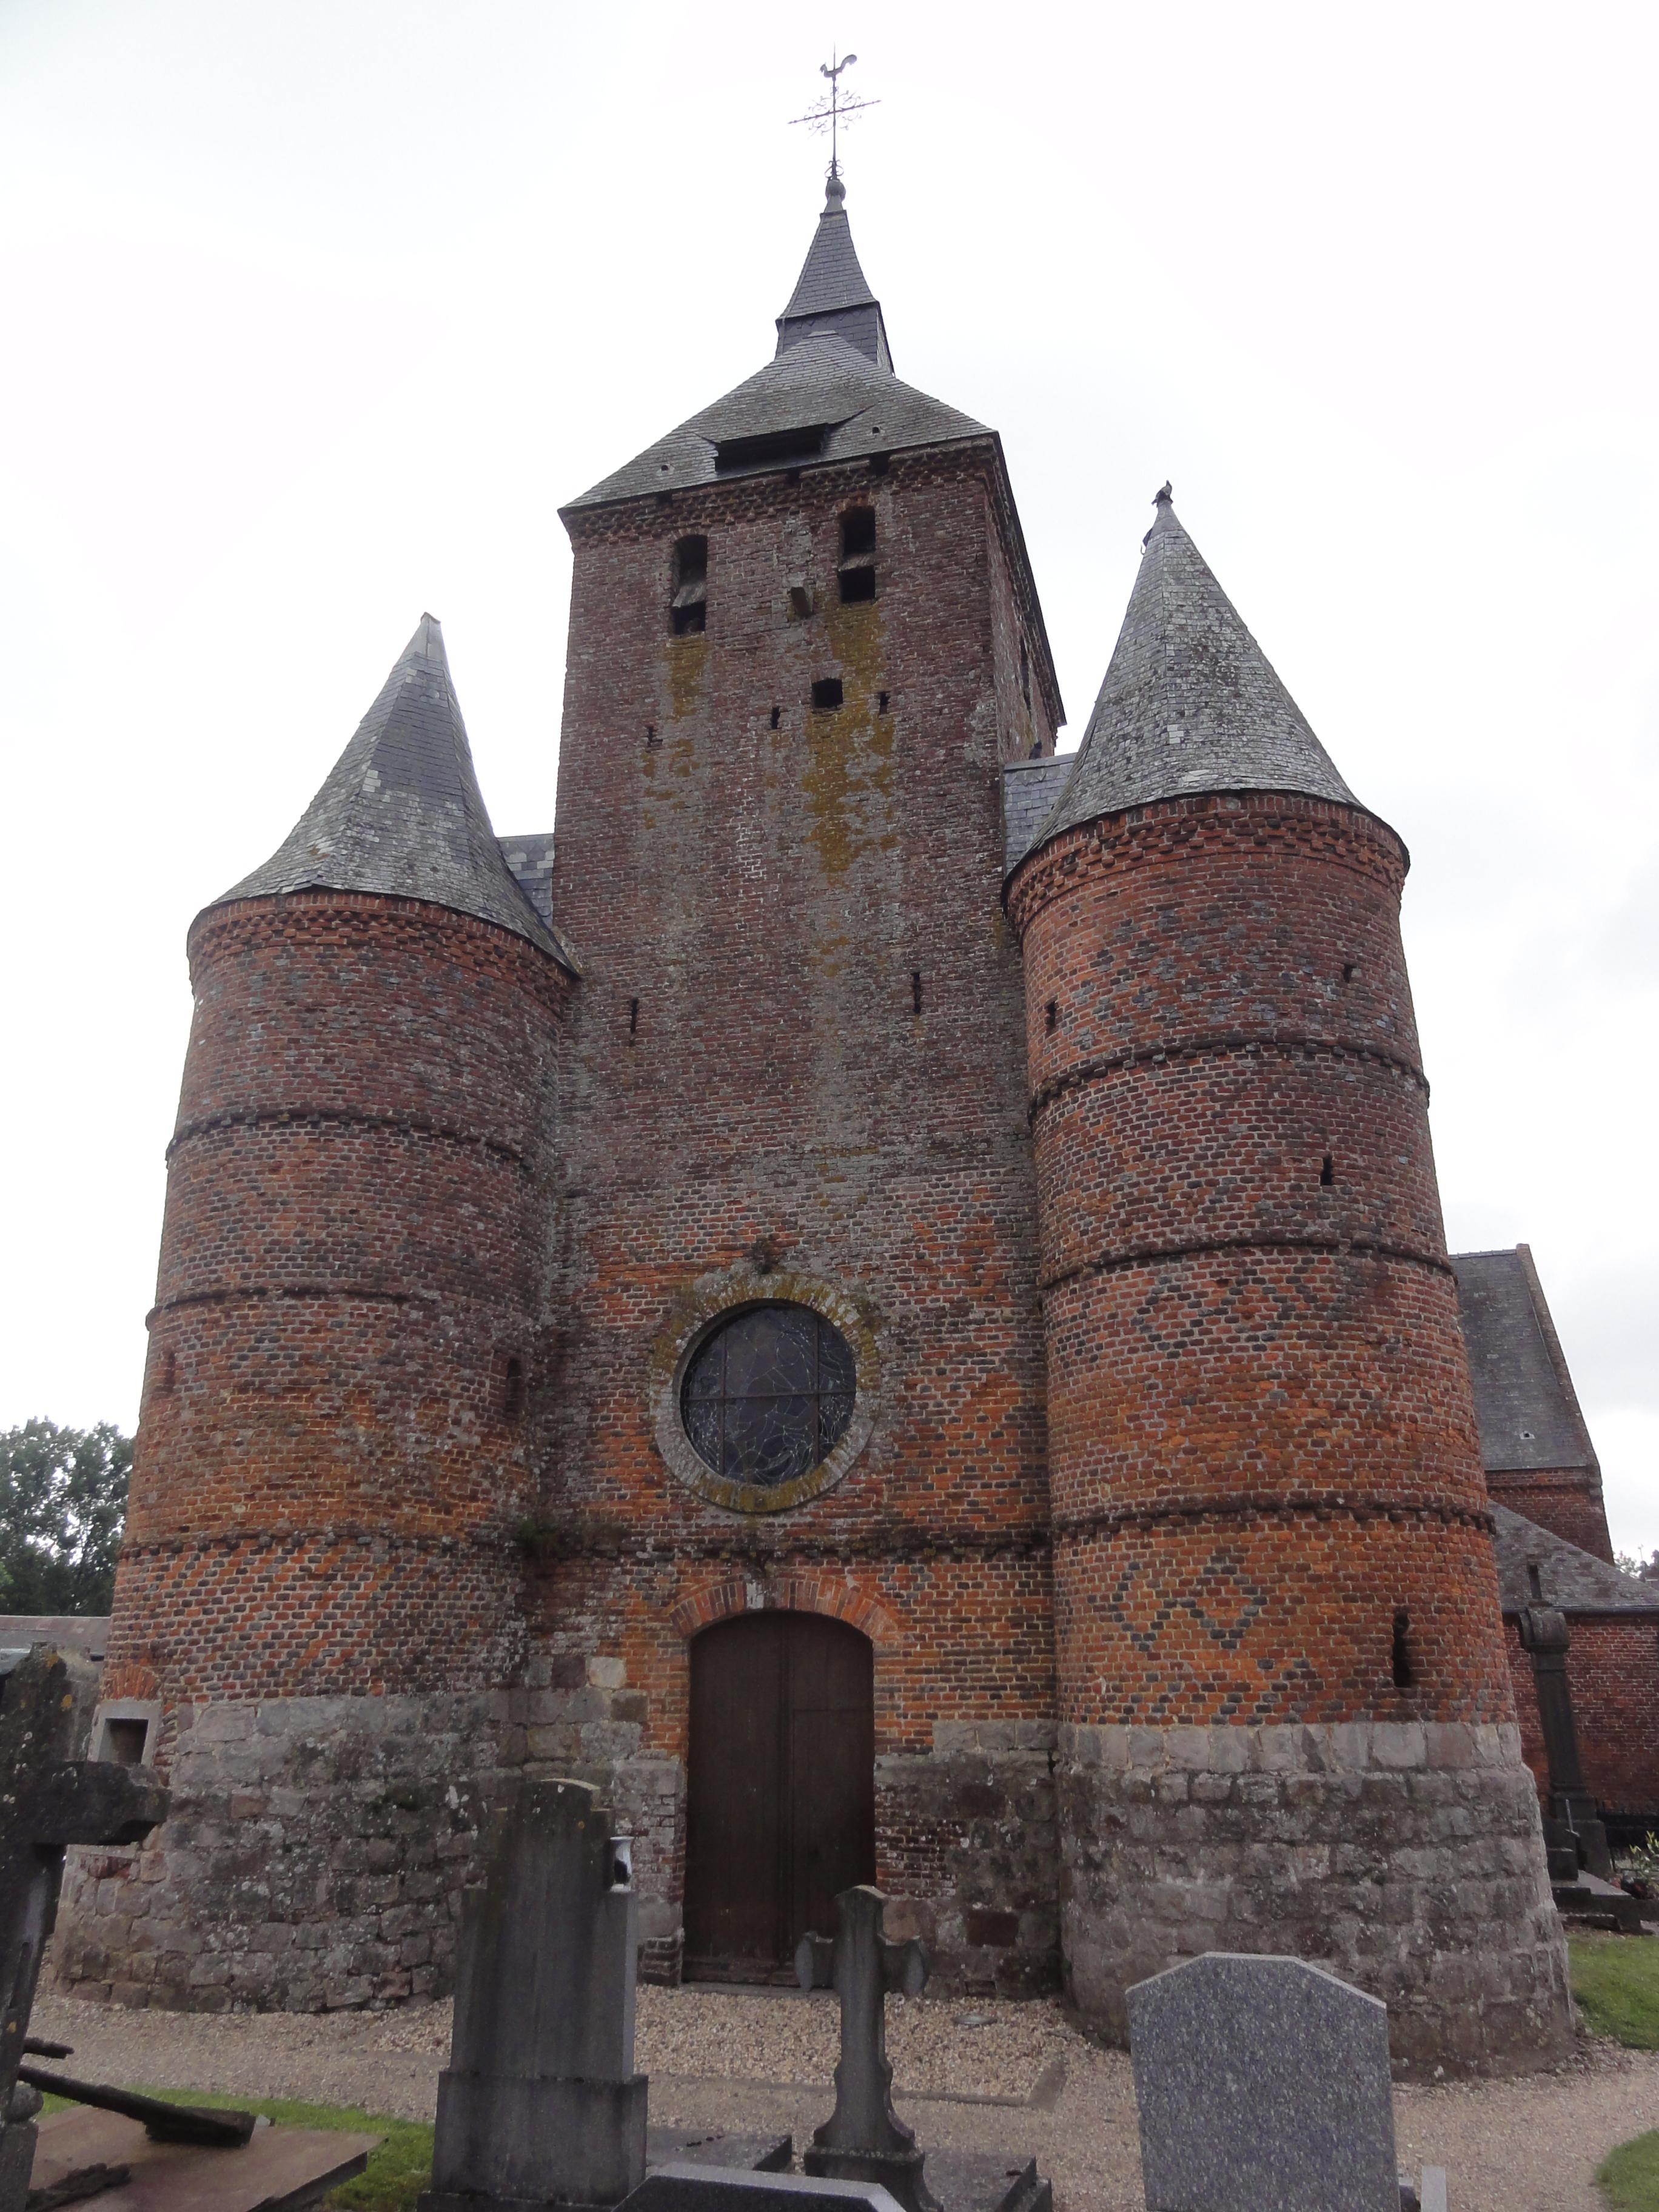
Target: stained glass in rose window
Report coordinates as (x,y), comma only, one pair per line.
(769,1395)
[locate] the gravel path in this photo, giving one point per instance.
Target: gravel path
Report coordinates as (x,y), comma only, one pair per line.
(763,2061)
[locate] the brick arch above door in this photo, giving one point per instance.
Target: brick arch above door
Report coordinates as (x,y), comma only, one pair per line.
(843,1597)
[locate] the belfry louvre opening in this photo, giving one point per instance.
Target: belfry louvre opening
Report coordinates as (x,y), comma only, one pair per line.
(768,1394)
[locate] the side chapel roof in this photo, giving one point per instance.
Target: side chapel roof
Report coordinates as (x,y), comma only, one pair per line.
(1190,702)
(1571,1580)
(400,813)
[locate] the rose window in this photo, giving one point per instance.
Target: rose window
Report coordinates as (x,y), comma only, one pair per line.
(768,1394)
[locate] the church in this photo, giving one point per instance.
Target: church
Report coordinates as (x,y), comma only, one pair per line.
(881,1295)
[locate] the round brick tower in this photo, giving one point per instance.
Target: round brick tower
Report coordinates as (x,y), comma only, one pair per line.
(318,1588)
(1286,1713)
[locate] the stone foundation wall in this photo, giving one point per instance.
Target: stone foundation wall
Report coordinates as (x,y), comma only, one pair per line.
(966,1842)
(313,1858)
(1406,1857)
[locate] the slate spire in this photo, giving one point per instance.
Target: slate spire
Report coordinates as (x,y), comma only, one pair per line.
(831,297)
(1190,702)
(401,813)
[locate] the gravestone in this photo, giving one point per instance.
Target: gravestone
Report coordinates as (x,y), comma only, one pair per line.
(539,2105)
(864,2142)
(49,1797)
(1573,1835)
(864,2139)
(1262,2085)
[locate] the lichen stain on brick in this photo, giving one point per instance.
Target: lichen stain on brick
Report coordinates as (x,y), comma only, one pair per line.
(688,663)
(850,749)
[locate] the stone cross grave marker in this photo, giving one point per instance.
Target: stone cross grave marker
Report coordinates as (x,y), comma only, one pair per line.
(49,1797)
(540,2104)
(864,2139)
(1571,1831)
(1262,2085)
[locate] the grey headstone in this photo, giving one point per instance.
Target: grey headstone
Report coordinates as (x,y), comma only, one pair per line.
(539,2103)
(1262,2085)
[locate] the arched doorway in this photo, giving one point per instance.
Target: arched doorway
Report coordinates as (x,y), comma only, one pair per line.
(780,1805)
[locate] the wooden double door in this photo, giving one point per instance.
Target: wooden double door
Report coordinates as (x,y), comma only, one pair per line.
(780,1813)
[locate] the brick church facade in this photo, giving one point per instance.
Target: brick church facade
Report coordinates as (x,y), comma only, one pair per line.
(883,1296)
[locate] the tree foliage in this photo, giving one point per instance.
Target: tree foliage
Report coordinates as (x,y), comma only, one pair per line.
(63,1502)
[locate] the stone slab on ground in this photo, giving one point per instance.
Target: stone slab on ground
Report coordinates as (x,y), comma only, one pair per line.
(688,2186)
(978,2181)
(763,2154)
(279,2169)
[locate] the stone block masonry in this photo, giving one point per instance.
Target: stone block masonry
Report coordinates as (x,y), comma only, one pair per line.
(315,1858)
(1404,1856)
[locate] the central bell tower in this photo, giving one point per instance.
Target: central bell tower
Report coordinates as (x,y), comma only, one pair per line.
(803,642)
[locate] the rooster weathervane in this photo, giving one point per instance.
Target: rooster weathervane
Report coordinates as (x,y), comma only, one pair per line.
(830,114)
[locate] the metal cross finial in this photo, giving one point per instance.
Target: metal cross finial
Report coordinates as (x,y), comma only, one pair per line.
(830,114)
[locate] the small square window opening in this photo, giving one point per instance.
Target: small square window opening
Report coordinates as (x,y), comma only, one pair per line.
(123,1741)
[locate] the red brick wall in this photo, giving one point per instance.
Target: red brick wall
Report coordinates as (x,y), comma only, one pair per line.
(1613,1672)
(768,896)
(1567,1501)
(325,1480)
(1262,1442)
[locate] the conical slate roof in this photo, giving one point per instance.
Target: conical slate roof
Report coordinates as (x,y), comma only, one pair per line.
(832,297)
(1190,702)
(401,811)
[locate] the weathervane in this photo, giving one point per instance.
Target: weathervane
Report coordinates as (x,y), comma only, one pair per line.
(832,111)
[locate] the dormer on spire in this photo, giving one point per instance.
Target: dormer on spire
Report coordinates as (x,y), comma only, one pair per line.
(832,298)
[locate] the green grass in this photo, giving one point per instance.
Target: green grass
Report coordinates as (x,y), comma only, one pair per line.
(1615,1979)
(1629,2175)
(397,2171)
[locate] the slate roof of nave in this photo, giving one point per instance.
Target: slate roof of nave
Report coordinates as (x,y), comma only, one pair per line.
(400,813)
(1190,702)
(1528,1409)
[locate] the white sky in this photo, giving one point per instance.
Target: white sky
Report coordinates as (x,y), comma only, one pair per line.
(315,310)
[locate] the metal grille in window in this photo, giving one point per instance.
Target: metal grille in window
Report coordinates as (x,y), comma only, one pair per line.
(769,1395)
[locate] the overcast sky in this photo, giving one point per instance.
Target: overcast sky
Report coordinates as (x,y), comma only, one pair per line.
(314,313)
